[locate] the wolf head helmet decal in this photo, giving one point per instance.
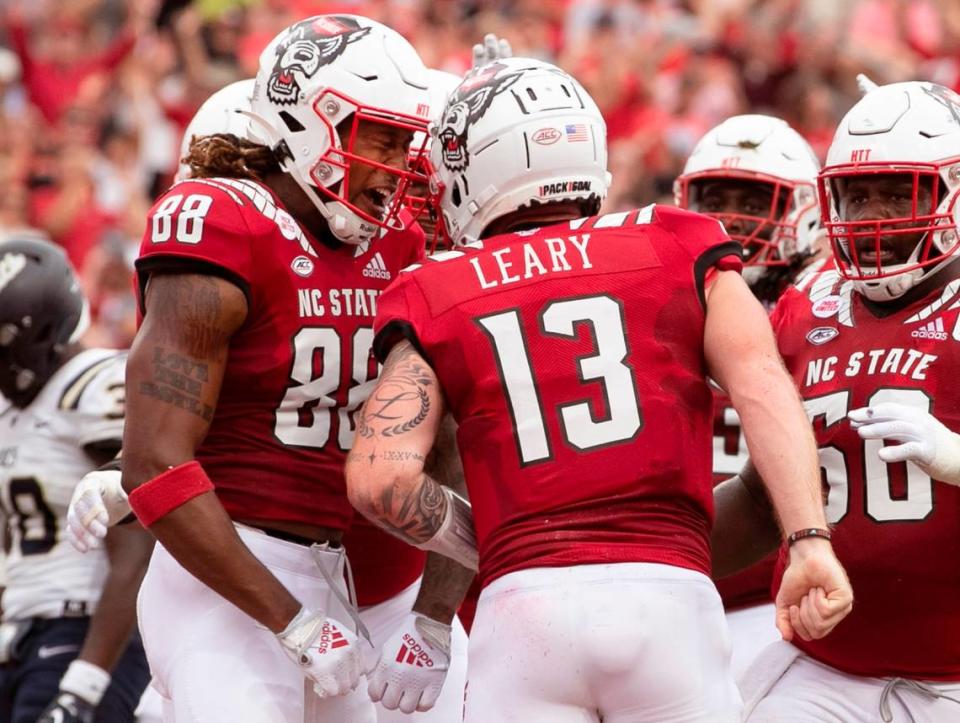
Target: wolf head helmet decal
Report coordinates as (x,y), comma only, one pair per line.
(466,106)
(309,45)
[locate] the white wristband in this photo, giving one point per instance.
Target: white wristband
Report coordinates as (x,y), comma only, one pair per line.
(456,537)
(85,680)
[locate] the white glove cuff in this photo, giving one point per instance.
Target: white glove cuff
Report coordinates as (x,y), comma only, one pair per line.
(116,501)
(946,461)
(300,632)
(456,537)
(85,680)
(435,634)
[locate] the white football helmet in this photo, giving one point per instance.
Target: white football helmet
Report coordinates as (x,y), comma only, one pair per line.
(760,149)
(516,133)
(226,111)
(317,74)
(418,200)
(910,128)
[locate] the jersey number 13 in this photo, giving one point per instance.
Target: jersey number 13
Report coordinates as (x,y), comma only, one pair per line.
(560,319)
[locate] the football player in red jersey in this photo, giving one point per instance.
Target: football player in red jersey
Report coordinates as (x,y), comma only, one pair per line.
(391,601)
(757,176)
(574,359)
(874,338)
(259,279)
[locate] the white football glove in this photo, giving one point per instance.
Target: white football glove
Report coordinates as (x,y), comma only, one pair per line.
(492,48)
(413,665)
(923,440)
(98,502)
(327,651)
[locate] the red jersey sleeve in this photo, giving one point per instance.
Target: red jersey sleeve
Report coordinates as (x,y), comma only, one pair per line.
(705,240)
(200,227)
(401,314)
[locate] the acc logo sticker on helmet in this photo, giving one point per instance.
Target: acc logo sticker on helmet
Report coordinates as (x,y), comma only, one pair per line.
(546,136)
(308,46)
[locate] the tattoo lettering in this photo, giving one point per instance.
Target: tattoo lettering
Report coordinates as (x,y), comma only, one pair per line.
(392,455)
(179,381)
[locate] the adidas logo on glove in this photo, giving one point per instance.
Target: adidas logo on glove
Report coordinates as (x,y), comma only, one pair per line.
(412,653)
(330,638)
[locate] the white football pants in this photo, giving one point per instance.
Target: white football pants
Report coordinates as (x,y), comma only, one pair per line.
(786,686)
(213,663)
(751,630)
(621,643)
(382,621)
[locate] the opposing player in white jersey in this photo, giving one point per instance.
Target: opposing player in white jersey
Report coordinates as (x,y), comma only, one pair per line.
(67,617)
(757,176)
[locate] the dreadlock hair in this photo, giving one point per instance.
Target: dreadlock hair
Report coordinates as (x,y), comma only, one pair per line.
(769,287)
(224,155)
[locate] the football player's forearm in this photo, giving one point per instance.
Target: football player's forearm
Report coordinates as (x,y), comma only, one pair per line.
(201,537)
(781,444)
(411,508)
(396,430)
(445,584)
(129,551)
(742,356)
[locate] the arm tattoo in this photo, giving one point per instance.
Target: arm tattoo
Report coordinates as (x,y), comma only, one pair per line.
(188,316)
(417,515)
(191,308)
(179,381)
(388,412)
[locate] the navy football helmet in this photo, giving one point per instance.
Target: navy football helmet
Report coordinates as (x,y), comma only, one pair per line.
(42,310)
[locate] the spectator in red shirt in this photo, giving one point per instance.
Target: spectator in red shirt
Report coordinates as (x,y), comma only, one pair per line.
(53,59)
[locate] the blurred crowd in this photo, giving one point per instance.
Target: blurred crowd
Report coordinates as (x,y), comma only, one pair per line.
(95,94)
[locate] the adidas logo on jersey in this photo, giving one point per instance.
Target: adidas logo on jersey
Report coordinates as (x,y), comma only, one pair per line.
(412,653)
(931,330)
(376,269)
